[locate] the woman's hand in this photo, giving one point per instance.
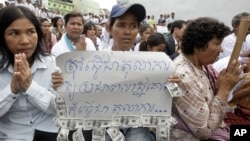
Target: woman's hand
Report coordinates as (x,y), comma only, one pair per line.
(246,60)
(174,79)
(243,90)
(57,80)
(229,77)
(21,78)
(81,44)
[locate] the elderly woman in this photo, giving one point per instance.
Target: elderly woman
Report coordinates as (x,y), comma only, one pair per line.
(202,109)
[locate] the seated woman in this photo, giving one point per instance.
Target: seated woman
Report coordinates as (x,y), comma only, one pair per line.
(202,109)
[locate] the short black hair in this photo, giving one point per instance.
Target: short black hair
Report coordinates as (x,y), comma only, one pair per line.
(88,26)
(177,24)
(154,39)
(236,19)
(72,15)
(11,14)
(200,31)
(54,21)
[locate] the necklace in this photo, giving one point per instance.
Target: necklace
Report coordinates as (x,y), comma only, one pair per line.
(72,42)
(69,43)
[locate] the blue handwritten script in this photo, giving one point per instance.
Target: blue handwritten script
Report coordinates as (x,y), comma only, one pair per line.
(135,88)
(87,109)
(100,63)
(101,84)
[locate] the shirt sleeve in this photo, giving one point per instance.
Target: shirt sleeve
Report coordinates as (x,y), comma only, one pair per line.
(41,98)
(227,45)
(7,99)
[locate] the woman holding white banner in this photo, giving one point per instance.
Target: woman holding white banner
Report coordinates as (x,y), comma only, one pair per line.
(123,26)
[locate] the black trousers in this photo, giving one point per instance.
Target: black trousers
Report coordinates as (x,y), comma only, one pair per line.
(86,133)
(44,136)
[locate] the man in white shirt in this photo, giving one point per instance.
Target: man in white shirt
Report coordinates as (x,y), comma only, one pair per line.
(30,6)
(229,41)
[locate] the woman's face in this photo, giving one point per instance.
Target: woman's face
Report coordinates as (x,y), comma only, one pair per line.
(146,34)
(158,48)
(124,32)
(59,23)
(210,54)
(91,32)
(98,30)
(45,27)
(74,27)
(21,37)
(180,31)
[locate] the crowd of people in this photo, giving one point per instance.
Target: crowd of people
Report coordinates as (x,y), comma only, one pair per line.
(200,49)
(34,7)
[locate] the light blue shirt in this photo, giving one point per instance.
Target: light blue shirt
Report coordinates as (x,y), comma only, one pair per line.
(22,113)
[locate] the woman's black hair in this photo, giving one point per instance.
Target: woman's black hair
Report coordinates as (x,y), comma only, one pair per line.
(72,15)
(144,27)
(88,26)
(154,39)
(200,31)
(41,20)
(54,21)
(8,15)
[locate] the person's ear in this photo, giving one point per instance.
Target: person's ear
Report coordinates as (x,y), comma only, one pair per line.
(108,27)
(176,29)
(149,48)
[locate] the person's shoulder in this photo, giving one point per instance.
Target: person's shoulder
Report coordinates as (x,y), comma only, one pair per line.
(230,37)
(98,39)
(59,47)
(45,61)
(169,38)
(89,44)
(58,44)
(181,62)
(49,58)
(88,40)
(53,36)
(248,38)
(137,47)
(166,35)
